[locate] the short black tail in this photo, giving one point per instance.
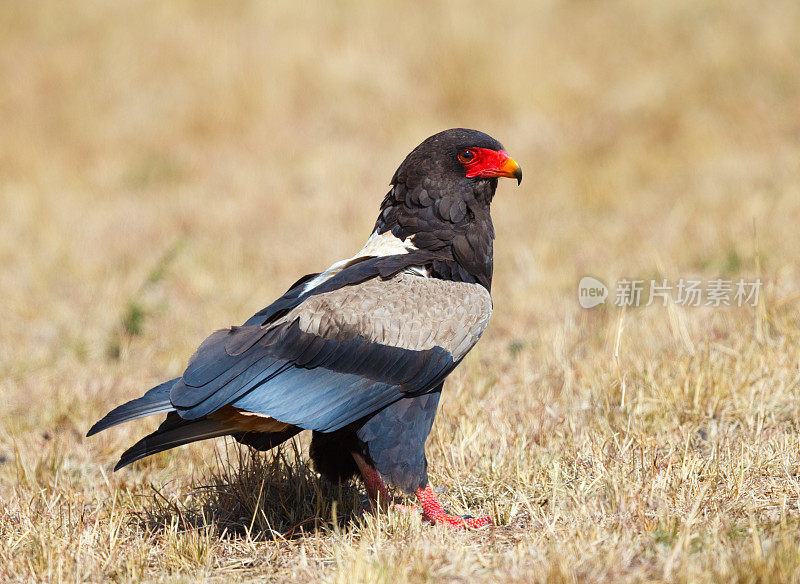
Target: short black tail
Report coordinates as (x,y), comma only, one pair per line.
(155,401)
(174,431)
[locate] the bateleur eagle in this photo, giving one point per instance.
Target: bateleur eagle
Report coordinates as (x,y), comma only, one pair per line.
(358,353)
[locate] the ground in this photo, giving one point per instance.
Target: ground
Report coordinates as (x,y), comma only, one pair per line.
(168,168)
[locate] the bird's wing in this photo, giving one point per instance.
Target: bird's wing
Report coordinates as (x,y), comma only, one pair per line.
(357,270)
(336,356)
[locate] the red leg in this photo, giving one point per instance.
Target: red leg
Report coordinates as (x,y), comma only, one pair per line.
(431,508)
(376,488)
(432,511)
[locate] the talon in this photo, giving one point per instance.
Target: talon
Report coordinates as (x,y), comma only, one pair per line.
(432,511)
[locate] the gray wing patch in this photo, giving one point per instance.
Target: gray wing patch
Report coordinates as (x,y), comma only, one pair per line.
(405,311)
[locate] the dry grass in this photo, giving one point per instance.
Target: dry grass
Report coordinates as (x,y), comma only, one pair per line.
(167,168)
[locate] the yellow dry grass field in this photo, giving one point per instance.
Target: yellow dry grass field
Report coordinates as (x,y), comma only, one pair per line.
(168,168)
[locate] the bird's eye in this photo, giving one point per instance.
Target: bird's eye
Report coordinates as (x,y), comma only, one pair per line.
(466,156)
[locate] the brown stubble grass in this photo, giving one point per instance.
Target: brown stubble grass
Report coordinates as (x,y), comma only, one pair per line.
(168,168)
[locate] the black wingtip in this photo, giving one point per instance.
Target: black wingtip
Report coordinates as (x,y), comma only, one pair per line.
(99,426)
(121,464)
(173,432)
(105,422)
(155,401)
(134,453)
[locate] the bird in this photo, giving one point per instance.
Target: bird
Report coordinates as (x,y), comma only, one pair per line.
(358,353)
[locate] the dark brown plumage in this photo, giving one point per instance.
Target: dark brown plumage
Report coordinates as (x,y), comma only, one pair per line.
(358,353)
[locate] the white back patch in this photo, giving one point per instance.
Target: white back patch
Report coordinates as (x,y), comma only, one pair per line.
(377,245)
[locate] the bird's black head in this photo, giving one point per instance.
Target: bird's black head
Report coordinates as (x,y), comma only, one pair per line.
(440,201)
(459,155)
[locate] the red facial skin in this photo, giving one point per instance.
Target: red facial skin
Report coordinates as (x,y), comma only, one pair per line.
(487,163)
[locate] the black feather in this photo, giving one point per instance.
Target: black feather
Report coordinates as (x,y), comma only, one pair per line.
(155,401)
(383,266)
(216,396)
(174,431)
(266,440)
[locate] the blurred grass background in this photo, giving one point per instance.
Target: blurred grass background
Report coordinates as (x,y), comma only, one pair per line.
(167,168)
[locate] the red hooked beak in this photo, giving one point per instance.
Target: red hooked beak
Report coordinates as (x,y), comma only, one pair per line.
(493,163)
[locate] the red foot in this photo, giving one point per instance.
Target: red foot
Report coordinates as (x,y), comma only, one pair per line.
(432,511)
(431,508)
